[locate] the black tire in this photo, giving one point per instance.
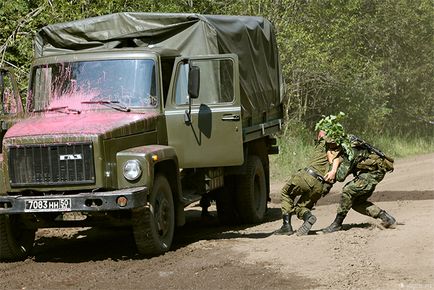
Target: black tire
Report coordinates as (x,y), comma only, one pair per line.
(16,242)
(153,226)
(252,194)
(226,203)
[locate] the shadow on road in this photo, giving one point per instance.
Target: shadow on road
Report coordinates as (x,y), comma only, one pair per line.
(383,196)
(195,229)
(346,227)
(97,244)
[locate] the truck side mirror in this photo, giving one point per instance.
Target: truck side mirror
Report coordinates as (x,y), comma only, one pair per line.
(193,90)
(193,82)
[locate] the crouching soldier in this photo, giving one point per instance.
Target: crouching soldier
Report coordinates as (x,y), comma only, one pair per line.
(309,184)
(369,166)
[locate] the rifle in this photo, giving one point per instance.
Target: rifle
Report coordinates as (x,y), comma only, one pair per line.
(362,143)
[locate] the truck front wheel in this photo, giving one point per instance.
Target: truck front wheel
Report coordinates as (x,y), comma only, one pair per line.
(153,226)
(252,193)
(15,240)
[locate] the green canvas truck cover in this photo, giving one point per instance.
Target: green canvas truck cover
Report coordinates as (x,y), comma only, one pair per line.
(251,38)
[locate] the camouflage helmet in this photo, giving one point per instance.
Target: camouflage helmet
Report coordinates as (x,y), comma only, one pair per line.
(334,131)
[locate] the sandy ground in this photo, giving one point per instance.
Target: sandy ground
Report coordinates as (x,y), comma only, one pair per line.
(209,256)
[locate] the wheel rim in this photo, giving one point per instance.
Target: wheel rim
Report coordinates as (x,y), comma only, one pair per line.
(162,215)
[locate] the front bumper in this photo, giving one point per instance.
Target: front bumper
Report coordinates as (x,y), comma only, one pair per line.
(81,202)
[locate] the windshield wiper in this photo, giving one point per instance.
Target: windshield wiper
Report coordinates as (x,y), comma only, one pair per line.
(111,104)
(63,109)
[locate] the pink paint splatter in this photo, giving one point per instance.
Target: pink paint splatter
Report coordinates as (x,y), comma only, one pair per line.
(128,82)
(74,100)
(90,122)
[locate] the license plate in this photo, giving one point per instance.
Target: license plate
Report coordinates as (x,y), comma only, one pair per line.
(47,205)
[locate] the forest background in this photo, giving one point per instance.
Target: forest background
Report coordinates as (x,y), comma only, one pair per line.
(372,59)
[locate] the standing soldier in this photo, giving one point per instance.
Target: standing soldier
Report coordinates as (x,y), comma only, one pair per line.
(314,181)
(369,166)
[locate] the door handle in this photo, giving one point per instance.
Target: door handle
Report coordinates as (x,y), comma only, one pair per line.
(231,117)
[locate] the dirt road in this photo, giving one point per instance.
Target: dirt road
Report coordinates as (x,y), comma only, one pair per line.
(209,256)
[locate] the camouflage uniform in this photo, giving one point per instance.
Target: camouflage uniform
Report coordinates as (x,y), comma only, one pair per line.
(356,192)
(309,188)
(369,169)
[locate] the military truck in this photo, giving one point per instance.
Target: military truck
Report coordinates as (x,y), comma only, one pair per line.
(134,116)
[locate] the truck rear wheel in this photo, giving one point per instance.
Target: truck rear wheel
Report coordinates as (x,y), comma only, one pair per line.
(15,241)
(153,227)
(252,193)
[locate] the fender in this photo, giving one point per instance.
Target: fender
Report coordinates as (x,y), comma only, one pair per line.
(148,156)
(152,159)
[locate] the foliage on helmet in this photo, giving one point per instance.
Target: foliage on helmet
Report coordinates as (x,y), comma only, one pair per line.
(332,127)
(334,130)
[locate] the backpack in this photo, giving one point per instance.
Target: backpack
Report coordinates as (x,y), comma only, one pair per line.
(368,157)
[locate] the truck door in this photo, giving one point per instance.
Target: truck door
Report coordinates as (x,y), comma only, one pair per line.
(210,134)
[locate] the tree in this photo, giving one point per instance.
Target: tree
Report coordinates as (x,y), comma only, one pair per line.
(369,58)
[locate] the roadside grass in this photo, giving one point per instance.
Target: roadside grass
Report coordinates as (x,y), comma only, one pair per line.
(401,146)
(296,147)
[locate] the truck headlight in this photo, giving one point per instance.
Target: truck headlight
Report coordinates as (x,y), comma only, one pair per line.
(132,170)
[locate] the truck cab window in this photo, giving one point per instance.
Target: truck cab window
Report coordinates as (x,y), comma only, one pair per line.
(131,82)
(216,85)
(181,93)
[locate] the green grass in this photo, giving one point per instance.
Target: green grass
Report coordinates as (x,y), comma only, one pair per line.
(295,149)
(296,146)
(398,147)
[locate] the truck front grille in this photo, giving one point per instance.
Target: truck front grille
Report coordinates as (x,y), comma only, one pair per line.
(54,164)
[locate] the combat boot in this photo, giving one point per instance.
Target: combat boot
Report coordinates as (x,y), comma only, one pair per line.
(387,219)
(309,220)
(286,228)
(336,225)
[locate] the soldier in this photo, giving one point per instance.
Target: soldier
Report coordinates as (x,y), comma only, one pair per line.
(369,166)
(310,184)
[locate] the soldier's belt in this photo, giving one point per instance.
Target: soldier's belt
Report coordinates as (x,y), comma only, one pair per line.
(314,174)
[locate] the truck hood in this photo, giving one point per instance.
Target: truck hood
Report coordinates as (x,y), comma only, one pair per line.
(105,123)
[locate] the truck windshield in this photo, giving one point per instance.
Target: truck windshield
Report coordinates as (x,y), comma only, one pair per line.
(86,85)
